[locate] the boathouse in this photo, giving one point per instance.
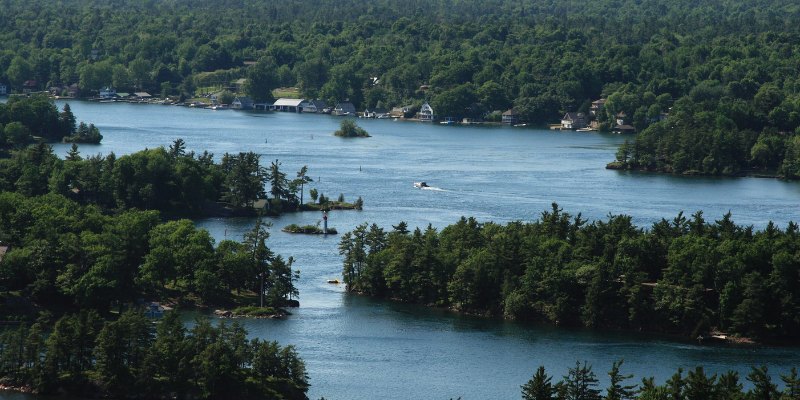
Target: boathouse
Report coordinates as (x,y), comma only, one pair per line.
(572,120)
(242,103)
(344,109)
(510,117)
(288,105)
(313,106)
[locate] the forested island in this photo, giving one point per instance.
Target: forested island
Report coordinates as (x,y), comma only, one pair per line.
(170,180)
(685,276)
(25,120)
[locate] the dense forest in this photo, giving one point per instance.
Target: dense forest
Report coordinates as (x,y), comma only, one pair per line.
(712,86)
(62,256)
(686,276)
(580,383)
(86,355)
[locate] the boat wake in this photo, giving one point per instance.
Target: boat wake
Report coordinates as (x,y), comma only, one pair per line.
(434,188)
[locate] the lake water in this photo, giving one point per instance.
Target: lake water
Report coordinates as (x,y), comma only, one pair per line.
(358,348)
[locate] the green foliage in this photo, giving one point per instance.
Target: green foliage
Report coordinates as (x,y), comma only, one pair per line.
(66,256)
(684,276)
(538,387)
(83,354)
(579,384)
(25,117)
(348,129)
(85,134)
(244,179)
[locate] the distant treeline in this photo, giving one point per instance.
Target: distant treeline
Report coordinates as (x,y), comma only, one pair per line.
(686,275)
(729,67)
(86,355)
(580,383)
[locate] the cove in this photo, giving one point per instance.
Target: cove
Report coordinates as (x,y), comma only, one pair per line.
(357,348)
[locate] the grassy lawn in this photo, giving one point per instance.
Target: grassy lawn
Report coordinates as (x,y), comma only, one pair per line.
(290,92)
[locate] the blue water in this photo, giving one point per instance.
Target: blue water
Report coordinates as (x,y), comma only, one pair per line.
(358,348)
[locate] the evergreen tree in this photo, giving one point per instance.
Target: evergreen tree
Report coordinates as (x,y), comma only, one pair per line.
(792,388)
(763,388)
(581,383)
(538,387)
(728,386)
(699,386)
(617,390)
(262,256)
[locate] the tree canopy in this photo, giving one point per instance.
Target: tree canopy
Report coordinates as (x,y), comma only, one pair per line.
(685,275)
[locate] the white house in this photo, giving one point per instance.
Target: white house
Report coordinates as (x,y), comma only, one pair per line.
(426,113)
(108,92)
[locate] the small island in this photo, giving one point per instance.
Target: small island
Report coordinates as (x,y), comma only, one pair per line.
(349,129)
(309,229)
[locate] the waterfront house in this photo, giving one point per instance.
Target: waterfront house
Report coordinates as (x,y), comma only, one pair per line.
(344,108)
(624,129)
(573,120)
(380,113)
(73,90)
(313,106)
(426,113)
(142,96)
(3,89)
(288,105)
(400,112)
(108,93)
(29,86)
(622,118)
(597,107)
(242,103)
(510,117)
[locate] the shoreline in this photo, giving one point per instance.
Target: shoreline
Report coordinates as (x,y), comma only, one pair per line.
(710,338)
(616,166)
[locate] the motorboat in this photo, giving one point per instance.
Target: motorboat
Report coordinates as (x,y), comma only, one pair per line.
(420,185)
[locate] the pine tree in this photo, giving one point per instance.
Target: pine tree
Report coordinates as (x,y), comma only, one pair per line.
(728,386)
(699,386)
(676,385)
(616,390)
(792,382)
(763,388)
(539,387)
(73,154)
(581,383)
